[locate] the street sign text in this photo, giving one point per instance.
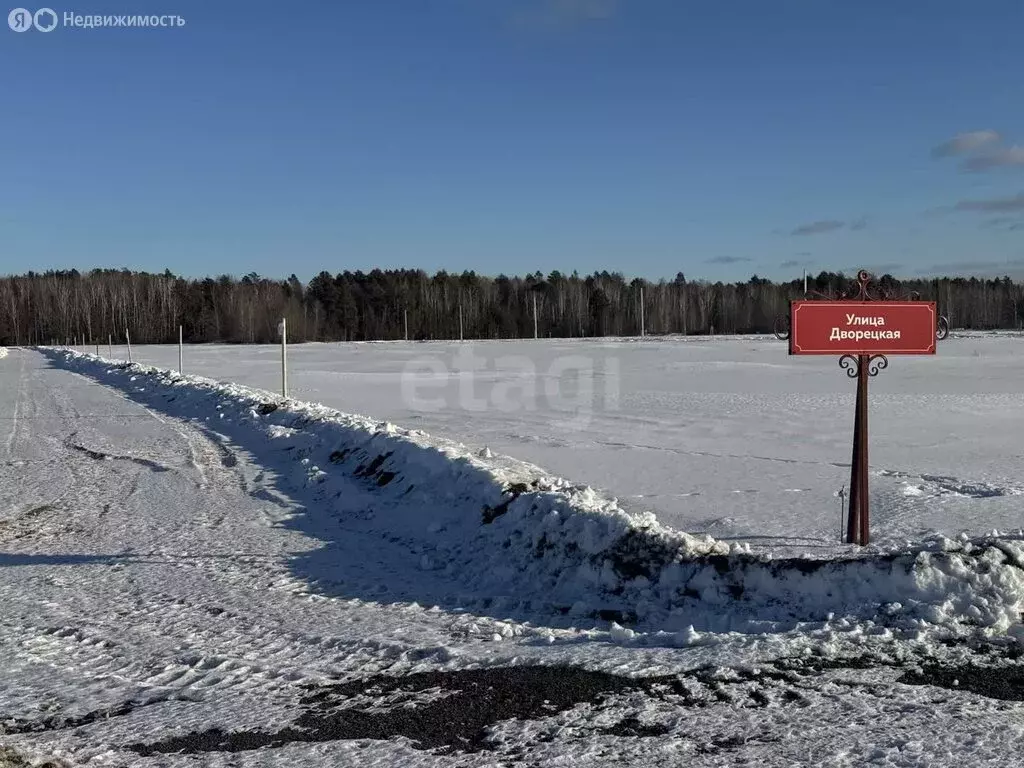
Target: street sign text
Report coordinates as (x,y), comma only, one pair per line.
(862,327)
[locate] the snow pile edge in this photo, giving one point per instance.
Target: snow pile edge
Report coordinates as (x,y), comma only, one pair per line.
(498,524)
(500,527)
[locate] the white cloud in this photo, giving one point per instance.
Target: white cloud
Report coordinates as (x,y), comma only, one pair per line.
(966,142)
(1006,157)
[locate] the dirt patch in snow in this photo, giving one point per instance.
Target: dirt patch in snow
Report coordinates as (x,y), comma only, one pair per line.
(456,711)
(1006,683)
(449,711)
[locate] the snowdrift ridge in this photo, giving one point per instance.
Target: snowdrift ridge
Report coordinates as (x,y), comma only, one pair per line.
(500,527)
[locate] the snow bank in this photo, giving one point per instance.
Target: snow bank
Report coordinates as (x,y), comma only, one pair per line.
(500,527)
(497,524)
(963,585)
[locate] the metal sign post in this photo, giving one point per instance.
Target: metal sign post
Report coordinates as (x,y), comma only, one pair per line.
(862,330)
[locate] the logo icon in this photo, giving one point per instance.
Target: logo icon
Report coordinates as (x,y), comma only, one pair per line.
(45,20)
(20,20)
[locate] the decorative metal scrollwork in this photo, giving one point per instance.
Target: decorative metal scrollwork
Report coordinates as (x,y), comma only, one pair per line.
(782,327)
(877,363)
(851,364)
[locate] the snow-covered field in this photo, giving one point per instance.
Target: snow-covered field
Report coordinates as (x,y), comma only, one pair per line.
(195,573)
(728,436)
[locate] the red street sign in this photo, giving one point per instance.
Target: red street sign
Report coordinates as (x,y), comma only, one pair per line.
(862,327)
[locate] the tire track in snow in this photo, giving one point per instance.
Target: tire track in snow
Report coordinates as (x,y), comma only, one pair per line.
(210,453)
(158,621)
(206,452)
(229,650)
(945,485)
(40,503)
(713,455)
(12,435)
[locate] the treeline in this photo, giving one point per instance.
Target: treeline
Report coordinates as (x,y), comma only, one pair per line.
(378,305)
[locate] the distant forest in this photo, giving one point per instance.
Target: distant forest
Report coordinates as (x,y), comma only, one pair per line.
(380,305)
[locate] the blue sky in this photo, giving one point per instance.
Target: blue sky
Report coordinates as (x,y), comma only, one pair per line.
(645,136)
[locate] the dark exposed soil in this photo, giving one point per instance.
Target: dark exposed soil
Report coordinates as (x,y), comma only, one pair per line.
(464,704)
(1005,683)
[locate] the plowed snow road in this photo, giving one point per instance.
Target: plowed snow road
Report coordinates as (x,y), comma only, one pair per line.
(146,588)
(144,569)
(150,614)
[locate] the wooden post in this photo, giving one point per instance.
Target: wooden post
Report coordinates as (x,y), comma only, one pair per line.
(180,341)
(857,522)
(110,345)
(406,313)
(949,302)
(284,357)
(853,516)
(460,323)
(535,315)
(643,328)
(861,416)
(128,339)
